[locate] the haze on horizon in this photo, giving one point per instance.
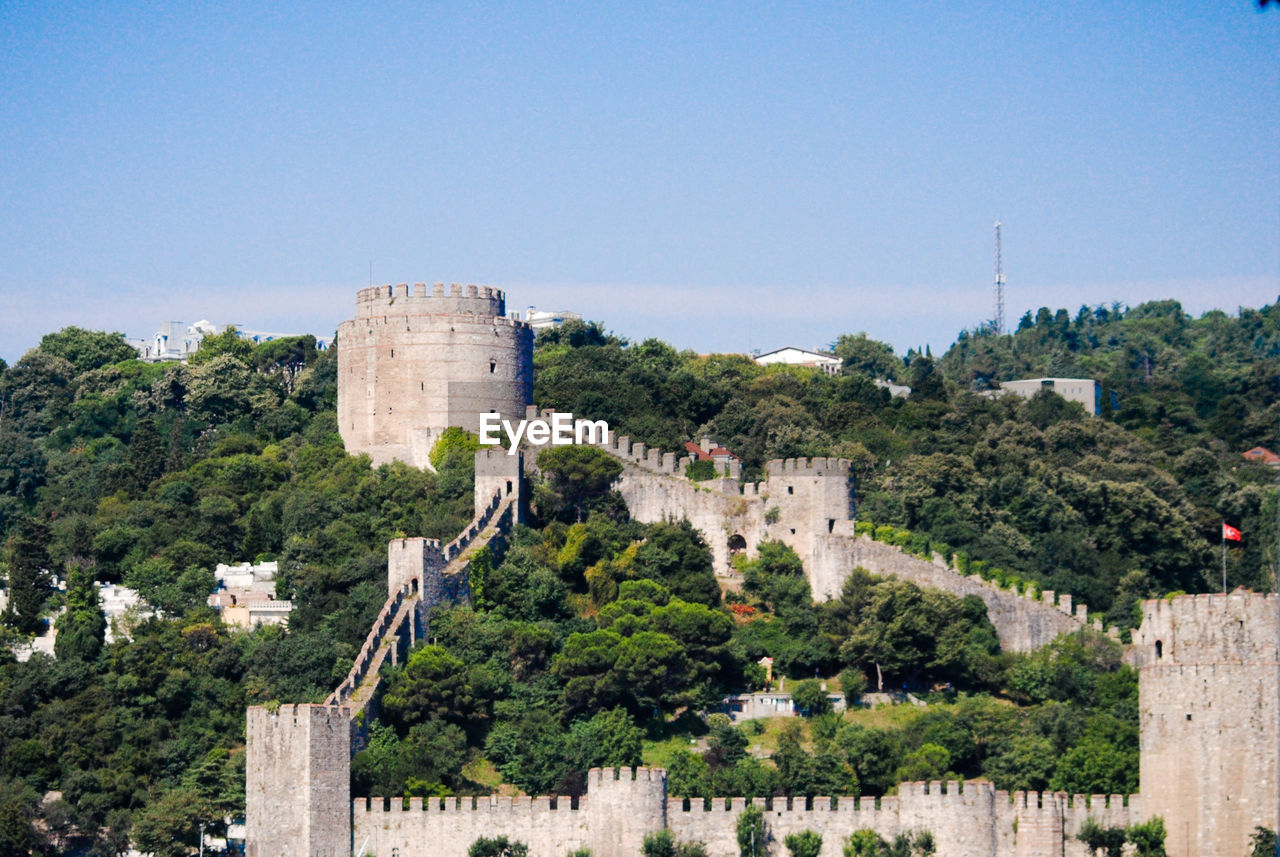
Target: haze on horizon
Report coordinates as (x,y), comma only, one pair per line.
(723,177)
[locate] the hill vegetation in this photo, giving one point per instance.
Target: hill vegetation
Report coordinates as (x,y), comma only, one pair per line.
(594,637)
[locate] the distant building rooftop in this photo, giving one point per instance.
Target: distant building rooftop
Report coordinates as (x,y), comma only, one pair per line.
(1262,455)
(1086,391)
(793,356)
(545,319)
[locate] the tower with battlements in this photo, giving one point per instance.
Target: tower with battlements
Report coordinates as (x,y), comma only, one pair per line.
(416,360)
(1209,706)
(298,781)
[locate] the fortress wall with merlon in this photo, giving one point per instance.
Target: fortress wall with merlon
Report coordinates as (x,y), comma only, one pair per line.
(814,498)
(1238,627)
(419,299)
(714,821)
(1209,719)
(1023,623)
(446,827)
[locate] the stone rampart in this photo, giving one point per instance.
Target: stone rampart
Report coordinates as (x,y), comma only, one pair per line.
(1024,621)
(814,516)
(970,819)
(403,299)
(620,807)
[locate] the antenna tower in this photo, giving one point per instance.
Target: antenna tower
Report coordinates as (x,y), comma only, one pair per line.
(998,320)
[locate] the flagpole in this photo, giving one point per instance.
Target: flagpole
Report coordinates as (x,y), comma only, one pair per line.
(1224,557)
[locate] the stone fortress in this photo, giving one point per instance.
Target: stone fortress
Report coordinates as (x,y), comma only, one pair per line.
(1209,680)
(415,361)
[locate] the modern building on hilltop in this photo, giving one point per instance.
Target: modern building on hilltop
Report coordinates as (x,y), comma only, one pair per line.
(793,356)
(541,319)
(174,340)
(1086,391)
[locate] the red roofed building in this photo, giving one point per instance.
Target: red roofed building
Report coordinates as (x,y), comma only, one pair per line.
(1262,455)
(726,462)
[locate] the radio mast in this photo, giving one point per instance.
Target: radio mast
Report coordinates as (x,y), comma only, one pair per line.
(998,320)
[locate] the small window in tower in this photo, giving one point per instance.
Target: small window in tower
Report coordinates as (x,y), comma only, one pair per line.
(1159,648)
(791,489)
(1188,716)
(508,486)
(831,525)
(393,352)
(493,364)
(422,385)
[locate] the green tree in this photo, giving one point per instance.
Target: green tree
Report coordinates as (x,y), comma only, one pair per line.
(810,698)
(82,627)
(454,444)
(701,470)
(27,555)
(169,826)
(435,685)
(1263,841)
(1147,837)
(497,846)
(806,843)
(87,349)
(1101,840)
(862,354)
(577,476)
(227,343)
(752,833)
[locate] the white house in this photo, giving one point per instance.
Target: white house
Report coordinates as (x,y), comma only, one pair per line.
(793,356)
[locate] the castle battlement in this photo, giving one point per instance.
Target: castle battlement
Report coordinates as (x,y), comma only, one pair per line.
(464,805)
(808,467)
(602,776)
(1233,628)
(376,294)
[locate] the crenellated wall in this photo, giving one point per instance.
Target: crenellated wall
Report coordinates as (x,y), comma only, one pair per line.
(970,819)
(812,500)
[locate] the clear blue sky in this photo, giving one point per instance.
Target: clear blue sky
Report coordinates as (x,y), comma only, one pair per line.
(723,176)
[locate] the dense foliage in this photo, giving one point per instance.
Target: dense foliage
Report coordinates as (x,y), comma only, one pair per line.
(1111,509)
(592,638)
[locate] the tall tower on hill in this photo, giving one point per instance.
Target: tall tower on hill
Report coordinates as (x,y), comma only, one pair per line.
(415,361)
(1209,719)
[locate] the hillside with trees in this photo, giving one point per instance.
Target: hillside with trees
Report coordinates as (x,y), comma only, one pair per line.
(593,639)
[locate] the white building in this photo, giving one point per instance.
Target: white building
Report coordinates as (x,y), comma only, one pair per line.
(246,595)
(1085,391)
(544,319)
(174,340)
(793,356)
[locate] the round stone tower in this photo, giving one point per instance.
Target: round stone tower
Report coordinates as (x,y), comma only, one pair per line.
(415,361)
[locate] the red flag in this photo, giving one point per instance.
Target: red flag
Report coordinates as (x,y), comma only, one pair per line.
(1230,533)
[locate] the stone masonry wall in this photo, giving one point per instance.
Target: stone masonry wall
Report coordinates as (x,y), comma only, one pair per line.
(813,499)
(1024,623)
(413,362)
(297,785)
(969,819)
(1209,715)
